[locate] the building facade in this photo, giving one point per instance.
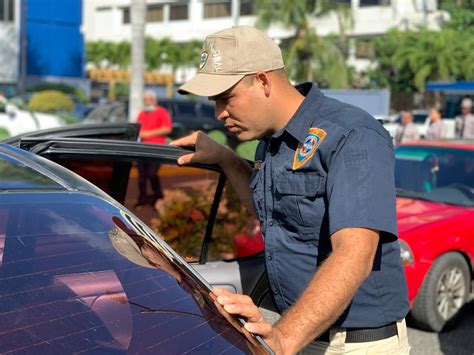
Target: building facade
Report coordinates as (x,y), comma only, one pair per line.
(182,21)
(9,45)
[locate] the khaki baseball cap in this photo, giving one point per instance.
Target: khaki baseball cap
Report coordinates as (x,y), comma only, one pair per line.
(229,55)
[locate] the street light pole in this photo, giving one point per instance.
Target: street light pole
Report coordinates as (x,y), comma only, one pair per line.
(138,11)
(235,10)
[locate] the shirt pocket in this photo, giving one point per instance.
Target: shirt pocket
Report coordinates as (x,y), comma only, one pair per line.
(299,201)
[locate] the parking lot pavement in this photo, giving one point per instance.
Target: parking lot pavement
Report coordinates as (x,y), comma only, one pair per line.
(459,341)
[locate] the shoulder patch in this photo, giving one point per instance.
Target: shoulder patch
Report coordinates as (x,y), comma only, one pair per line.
(306,150)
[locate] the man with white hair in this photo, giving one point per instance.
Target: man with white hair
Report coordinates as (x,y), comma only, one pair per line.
(155,126)
(465,121)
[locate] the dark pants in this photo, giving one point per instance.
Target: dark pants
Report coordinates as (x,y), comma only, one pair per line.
(147,171)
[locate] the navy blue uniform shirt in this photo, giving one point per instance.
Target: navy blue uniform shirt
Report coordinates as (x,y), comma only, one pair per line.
(331,167)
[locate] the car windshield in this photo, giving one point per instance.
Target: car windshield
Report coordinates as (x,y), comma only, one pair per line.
(78,274)
(436,174)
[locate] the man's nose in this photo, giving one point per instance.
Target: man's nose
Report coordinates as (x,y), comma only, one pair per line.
(220,112)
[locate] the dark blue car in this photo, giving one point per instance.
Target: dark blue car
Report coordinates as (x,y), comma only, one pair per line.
(80,273)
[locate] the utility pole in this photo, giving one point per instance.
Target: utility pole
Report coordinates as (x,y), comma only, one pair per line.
(138,11)
(23,49)
(235,10)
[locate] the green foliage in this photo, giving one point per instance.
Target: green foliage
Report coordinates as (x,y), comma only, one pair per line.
(247,150)
(68,119)
(4,133)
(64,88)
(408,59)
(308,57)
(108,53)
(318,59)
(461,13)
(50,101)
(158,53)
(218,136)
(183,216)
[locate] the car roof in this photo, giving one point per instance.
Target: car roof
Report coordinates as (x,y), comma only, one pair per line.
(455,144)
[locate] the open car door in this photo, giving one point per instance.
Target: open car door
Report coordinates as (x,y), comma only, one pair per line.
(116,131)
(110,165)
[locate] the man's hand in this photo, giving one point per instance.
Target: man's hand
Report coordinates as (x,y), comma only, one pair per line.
(207,150)
(243,306)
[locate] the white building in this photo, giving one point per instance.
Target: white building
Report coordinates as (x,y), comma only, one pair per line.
(182,21)
(9,43)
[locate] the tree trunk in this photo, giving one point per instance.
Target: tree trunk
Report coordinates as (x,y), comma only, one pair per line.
(138,10)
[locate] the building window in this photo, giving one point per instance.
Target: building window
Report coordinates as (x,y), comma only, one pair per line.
(178,12)
(217,9)
(154,13)
(365,49)
(104,9)
(125,15)
(247,7)
(7,10)
(374,3)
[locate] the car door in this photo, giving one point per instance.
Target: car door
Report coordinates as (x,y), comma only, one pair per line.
(109,165)
(118,131)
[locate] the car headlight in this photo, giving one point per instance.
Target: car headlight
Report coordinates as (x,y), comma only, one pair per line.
(405,253)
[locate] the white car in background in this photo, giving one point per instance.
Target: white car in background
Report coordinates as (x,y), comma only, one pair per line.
(17,121)
(422,122)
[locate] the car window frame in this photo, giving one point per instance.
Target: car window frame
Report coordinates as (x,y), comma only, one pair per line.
(124,153)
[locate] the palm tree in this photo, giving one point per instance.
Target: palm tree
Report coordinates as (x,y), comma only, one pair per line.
(308,56)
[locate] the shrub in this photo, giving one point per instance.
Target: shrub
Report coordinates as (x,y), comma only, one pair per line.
(4,133)
(50,101)
(68,119)
(64,88)
(183,216)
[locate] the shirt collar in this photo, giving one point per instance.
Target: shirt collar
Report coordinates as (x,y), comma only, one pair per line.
(301,121)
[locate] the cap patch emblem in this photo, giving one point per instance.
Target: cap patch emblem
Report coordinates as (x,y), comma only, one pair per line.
(203,59)
(306,150)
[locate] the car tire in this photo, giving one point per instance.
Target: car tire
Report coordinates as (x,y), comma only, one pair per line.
(443,293)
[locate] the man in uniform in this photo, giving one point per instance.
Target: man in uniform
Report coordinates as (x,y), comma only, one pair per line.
(323,189)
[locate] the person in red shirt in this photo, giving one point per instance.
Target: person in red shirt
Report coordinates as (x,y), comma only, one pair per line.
(156,124)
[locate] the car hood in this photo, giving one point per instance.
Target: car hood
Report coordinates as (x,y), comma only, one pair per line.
(413,213)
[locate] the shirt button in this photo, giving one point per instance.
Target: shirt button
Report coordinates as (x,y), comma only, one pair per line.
(275,291)
(271,223)
(269,188)
(269,257)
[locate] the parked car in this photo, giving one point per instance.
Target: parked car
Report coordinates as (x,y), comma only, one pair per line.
(191,116)
(17,121)
(435,214)
(421,121)
(80,272)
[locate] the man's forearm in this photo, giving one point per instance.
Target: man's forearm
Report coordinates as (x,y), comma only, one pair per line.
(238,172)
(326,297)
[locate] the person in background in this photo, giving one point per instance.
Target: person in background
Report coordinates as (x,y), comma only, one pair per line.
(156,124)
(436,129)
(465,121)
(407,131)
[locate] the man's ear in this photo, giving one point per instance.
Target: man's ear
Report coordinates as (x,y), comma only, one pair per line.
(264,81)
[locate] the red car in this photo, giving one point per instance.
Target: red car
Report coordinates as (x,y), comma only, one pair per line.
(435,213)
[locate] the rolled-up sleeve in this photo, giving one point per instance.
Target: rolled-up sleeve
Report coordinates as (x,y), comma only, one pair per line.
(360,184)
